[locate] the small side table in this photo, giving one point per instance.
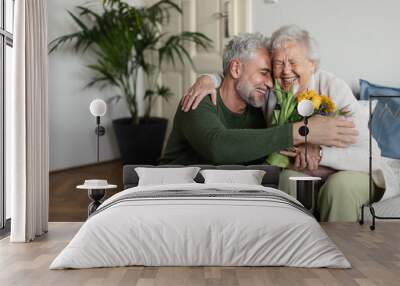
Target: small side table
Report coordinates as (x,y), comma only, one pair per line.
(306,193)
(96,191)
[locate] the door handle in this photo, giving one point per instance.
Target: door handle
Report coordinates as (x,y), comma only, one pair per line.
(225,17)
(220,15)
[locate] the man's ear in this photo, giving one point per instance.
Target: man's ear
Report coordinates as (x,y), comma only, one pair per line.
(236,69)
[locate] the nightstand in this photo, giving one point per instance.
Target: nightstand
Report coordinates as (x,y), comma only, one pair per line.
(96,191)
(306,192)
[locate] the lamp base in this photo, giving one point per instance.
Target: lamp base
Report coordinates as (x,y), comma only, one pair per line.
(95,195)
(306,191)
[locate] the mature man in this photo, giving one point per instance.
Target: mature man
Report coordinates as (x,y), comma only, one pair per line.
(234,130)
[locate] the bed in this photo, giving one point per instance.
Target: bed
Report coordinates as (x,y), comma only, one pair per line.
(198,224)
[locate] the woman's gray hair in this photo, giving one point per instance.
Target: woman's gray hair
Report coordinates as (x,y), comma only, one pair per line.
(243,47)
(295,33)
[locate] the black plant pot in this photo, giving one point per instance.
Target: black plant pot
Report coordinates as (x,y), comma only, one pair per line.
(140,143)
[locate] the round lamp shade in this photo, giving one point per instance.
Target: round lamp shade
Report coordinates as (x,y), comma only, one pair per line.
(98,107)
(305,108)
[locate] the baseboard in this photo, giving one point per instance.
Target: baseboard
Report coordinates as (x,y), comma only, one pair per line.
(84,166)
(5,231)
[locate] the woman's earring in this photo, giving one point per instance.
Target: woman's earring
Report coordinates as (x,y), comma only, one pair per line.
(312,81)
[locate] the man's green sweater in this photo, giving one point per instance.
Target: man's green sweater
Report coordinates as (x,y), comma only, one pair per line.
(214,135)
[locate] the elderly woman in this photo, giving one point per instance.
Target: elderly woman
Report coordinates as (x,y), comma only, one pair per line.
(346,182)
(295,62)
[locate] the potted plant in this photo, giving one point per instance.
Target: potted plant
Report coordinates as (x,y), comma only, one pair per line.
(124,40)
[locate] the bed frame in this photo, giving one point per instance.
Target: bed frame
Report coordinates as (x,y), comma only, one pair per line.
(270,179)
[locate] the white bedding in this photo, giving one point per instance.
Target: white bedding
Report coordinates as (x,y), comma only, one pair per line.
(200,231)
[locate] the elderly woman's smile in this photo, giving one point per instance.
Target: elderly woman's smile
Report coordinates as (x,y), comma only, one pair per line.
(288,81)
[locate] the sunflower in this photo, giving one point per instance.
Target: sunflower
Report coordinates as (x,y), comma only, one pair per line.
(316,101)
(305,95)
(311,95)
(330,105)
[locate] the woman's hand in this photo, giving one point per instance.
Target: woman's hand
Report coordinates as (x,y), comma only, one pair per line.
(197,92)
(298,152)
(313,157)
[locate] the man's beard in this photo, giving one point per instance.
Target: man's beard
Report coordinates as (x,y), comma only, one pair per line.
(246,91)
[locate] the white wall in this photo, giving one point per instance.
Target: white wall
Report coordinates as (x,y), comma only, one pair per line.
(358,38)
(72,137)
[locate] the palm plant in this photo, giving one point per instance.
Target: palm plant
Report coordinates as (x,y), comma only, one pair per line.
(125,39)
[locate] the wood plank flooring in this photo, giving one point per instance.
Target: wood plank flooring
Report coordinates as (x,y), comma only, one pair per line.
(375,257)
(66,203)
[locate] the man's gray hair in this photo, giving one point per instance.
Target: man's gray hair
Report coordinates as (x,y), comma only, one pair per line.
(243,47)
(294,33)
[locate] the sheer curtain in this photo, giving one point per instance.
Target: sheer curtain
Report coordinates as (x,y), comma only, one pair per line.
(27,124)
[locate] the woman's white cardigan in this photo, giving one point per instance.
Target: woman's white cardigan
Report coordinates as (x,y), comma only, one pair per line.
(356,156)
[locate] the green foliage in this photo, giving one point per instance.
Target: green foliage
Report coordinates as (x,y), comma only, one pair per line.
(126,38)
(287,103)
(286,112)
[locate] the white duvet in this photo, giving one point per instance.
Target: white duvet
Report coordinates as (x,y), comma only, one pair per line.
(200,231)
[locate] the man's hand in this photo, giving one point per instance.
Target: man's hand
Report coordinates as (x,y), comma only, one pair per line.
(328,131)
(298,152)
(197,92)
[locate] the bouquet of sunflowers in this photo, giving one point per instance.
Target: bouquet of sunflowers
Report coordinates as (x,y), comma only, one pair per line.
(286,112)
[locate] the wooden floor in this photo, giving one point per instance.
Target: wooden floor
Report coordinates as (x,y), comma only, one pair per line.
(66,203)
(375,257)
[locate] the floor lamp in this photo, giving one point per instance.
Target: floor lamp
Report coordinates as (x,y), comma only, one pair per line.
(96,188)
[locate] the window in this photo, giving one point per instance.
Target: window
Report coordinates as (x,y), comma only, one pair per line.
(6,44)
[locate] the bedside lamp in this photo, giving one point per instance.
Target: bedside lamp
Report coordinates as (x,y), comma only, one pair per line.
(98,108)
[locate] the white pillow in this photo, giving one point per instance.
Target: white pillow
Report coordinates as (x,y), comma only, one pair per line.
(248,177)
(165,176)
(365,105)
